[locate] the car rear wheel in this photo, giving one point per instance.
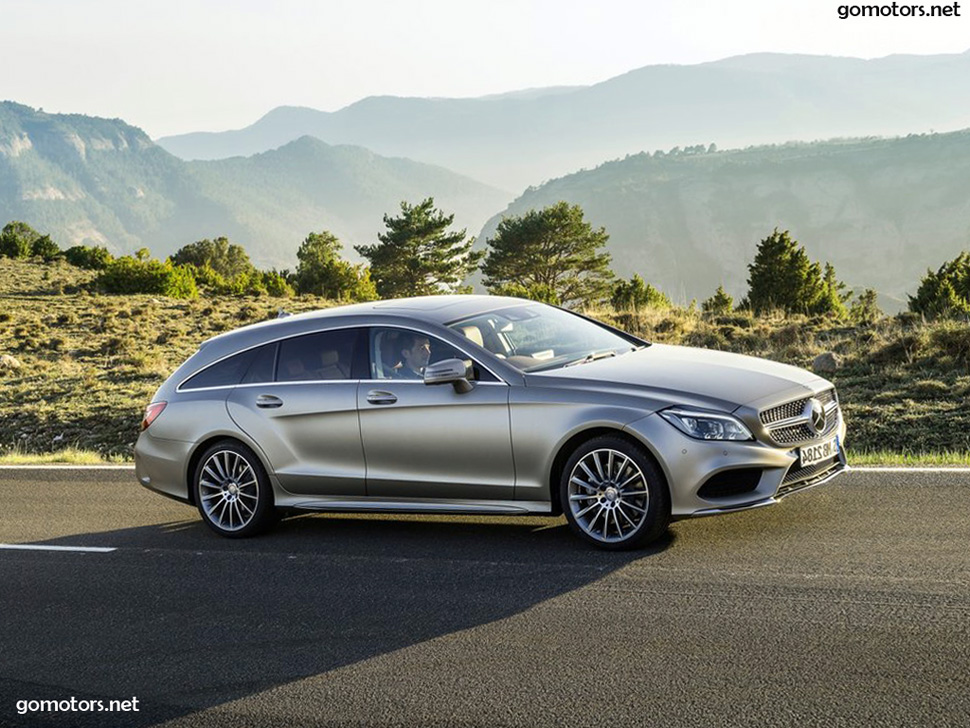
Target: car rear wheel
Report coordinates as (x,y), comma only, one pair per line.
(232,491)
(614,495)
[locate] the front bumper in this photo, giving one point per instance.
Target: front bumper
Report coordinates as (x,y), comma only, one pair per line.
(689,463)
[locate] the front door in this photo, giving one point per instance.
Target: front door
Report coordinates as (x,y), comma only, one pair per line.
(429,441)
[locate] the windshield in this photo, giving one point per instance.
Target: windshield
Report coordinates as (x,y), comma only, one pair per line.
(535,337)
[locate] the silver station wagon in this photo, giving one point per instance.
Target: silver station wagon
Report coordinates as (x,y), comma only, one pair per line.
(481,405)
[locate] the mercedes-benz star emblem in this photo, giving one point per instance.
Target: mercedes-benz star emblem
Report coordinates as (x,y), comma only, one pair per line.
(815,414)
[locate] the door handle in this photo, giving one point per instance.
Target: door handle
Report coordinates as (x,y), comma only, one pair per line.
(268,401)
(376,396)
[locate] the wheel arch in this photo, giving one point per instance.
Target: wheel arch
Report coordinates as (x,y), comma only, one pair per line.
(576,440)
(208,442)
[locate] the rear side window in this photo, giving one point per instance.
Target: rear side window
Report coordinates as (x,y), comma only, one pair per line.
(328,355)
(263,365)
(226,373)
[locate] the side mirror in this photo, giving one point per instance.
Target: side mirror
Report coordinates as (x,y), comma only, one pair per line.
(449,371)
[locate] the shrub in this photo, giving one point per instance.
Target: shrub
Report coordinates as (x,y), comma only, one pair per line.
(953,342)
(635,294)
(45,248)
(130,275)
(82,256)
(276,284)
(946,293)
(225,258)
(719,304)
(17,240)
(864,309)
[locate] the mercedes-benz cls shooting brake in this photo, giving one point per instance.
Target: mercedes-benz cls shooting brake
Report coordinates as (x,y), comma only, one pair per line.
(486,405)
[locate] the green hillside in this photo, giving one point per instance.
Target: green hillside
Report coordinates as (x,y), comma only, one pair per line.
(881,210)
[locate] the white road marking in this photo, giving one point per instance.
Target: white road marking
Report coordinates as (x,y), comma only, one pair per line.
(878,469)
(42,547)
(66,466)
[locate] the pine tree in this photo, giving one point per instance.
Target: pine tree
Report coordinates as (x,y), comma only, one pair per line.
(553,250)
(322,272)
(718,304)
(417,256)
(783,277)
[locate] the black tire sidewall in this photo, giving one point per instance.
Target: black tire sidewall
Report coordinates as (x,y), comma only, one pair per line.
(658,506)
(265,511)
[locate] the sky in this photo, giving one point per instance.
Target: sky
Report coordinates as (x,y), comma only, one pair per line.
(174,66)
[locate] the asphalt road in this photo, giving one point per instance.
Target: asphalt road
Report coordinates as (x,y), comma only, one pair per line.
(846,605)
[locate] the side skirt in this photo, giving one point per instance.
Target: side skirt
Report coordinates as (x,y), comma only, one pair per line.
(415,505)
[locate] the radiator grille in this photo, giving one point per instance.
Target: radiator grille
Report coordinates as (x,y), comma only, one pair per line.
(793,409)
(793,433)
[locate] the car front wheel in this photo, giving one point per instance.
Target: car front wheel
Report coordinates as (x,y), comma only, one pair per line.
(232,491)
(614,495)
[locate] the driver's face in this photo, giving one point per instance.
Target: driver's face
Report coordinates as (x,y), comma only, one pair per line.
(418,355)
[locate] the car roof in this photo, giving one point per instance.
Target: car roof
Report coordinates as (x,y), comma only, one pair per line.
(431,309)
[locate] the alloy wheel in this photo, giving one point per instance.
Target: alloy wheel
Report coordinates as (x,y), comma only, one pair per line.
(228,490)
(608,495)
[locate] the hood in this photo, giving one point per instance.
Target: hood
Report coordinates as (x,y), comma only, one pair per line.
(684,374)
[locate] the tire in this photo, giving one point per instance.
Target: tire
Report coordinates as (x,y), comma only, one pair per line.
(614,495)
(232,491)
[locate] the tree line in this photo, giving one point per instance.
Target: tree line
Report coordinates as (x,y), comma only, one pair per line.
(552,255)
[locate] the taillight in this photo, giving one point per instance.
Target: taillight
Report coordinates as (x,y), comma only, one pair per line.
(151,412)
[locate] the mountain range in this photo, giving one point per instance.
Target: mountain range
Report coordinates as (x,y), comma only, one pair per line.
(883,210)
(97,181)
(519,139)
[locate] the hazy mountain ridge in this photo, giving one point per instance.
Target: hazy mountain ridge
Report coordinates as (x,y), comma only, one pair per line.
(881,210)
(515,140)
(103,182)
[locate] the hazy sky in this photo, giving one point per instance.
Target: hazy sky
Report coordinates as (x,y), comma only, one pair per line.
(176,66)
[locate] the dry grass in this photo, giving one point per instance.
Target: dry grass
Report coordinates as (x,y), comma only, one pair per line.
(90,363)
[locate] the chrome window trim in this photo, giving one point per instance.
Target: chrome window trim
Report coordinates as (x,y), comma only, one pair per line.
(420,381)
(179,387)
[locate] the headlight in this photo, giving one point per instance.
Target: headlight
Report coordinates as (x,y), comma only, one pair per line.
(706,425)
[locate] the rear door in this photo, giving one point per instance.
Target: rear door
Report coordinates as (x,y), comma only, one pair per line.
(301,407)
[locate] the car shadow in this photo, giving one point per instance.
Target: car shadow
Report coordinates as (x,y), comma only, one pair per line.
(186,620)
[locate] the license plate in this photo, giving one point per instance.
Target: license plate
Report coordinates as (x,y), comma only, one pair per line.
(811,454)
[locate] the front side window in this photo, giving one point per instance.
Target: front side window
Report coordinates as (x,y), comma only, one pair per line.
(534,337)
(328,355)
(403,354)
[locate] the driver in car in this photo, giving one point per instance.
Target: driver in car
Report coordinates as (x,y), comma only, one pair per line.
(415,353)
